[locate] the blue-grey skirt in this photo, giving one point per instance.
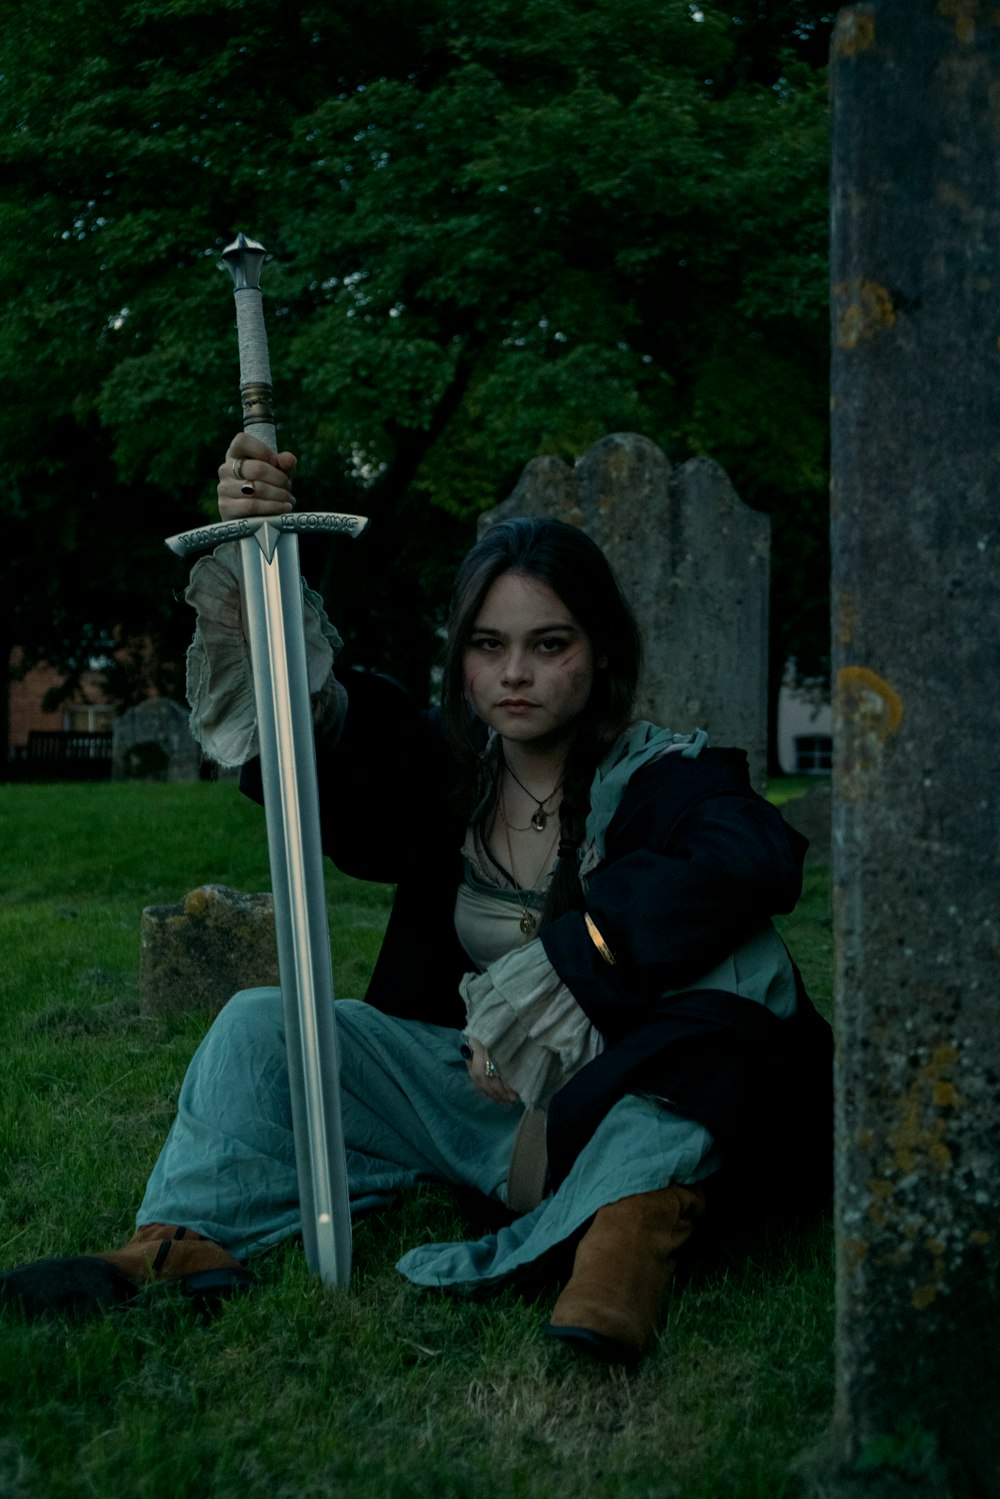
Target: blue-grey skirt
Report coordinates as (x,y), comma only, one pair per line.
(411,1114)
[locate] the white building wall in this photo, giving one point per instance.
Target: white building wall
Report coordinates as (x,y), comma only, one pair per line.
(803,714)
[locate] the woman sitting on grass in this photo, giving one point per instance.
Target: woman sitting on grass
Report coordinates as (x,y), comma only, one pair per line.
(581,1008)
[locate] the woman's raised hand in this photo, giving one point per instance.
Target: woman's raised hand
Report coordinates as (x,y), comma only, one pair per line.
(255,481)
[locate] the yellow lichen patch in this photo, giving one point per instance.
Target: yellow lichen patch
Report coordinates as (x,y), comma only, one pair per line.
(953,195)
(867,712)
(847,618)
(918,1137)
(943,1056)
(964,13)
(913,1139)
(855,1252)
(905,1158)
(935,1246)
(196,902)
(863,309)
(980,1237)
(945,1096)
(879,1186)
(854,31)
(870,700)
(923,1296)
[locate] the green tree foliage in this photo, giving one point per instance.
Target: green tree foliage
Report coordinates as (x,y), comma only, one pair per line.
(498,229)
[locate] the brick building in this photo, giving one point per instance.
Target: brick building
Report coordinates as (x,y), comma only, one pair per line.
(73,737)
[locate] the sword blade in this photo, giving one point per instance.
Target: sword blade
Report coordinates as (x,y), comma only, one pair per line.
(273,601)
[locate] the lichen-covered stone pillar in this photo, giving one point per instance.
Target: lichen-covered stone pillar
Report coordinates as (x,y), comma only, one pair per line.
(916,821)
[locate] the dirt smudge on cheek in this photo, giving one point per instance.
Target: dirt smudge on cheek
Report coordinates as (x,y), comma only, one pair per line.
(576,669)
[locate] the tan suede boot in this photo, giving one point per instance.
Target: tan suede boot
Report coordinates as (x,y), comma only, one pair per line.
(623,1268)
(160,1251)
(85,1284)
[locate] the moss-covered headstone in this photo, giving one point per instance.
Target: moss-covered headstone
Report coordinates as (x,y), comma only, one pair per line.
(152,742)
(196,954)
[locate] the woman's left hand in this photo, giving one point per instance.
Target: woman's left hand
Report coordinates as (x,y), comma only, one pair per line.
(489,1083)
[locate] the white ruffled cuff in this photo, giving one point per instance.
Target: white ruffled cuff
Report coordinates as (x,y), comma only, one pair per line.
(219,675)
(529,1022)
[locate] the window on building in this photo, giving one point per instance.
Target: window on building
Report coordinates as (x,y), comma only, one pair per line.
(88,718)
(813,754)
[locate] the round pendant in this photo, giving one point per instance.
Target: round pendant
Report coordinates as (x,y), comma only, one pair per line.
(527,923)
(538,820)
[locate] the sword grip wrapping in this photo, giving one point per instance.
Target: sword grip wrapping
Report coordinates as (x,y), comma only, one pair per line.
(244,259)
(255,366)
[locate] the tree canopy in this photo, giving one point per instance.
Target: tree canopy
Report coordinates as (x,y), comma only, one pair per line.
(498,230)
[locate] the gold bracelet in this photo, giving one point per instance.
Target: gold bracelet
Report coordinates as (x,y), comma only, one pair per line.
(598,940)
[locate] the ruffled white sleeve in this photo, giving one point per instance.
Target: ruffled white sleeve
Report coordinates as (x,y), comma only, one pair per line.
(219,675)
(529,1022)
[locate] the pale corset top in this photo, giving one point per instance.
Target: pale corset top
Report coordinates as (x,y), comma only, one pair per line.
(488,911)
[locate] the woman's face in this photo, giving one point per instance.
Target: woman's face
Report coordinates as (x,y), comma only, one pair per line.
(529,666)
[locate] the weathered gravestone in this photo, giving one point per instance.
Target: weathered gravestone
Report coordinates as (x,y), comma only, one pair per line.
(916,822)
(694,562)
(152,742)
(195,955)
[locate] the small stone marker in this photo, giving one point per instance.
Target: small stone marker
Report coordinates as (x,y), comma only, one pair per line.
(152,742)
(694,562)
(197,954)
(916,815)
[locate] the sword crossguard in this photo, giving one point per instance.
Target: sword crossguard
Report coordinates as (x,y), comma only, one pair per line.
(266,529)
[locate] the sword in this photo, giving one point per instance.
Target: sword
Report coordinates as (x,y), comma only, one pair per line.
(273,613)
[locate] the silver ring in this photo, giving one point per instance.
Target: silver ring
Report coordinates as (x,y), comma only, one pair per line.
(490,1068)
(238,469)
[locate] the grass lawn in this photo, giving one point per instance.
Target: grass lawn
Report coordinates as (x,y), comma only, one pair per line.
(382,1390)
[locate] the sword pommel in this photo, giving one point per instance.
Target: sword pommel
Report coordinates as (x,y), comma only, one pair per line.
(244,259)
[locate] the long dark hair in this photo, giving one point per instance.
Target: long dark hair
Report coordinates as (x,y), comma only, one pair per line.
(578,572)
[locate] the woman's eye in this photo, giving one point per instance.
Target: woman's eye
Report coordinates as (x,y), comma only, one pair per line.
(485,643)
(549,645)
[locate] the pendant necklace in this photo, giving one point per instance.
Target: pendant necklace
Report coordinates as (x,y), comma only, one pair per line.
(528,921)
(540,817)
